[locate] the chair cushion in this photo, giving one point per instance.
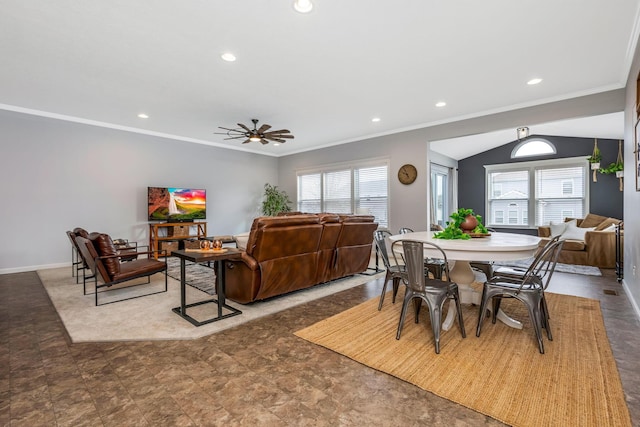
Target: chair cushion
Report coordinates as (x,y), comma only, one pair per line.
(105,247)
(140,267)
(81,232)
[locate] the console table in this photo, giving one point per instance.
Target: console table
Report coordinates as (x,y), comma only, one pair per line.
(175,232)
(200,256)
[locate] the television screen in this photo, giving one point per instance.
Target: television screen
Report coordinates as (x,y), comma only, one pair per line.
(176,204)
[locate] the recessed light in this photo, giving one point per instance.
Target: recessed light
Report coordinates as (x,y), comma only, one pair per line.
(441,104)
(228,56)
(276,144)
(143,116)
(303,6)
(375,119)
(534,81)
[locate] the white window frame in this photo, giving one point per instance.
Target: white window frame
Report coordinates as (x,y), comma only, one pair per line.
(531,167)
(352,166)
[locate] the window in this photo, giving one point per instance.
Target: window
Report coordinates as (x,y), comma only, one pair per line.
(567,187)
(548,188)
(533,147)
(349,189)
(497,190)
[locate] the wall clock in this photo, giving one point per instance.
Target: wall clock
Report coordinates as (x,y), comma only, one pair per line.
(407,174)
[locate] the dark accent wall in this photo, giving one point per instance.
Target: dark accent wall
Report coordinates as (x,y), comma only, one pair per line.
(604,195)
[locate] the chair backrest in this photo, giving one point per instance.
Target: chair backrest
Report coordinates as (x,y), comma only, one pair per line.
(544,264)
(380,238)
(405,230)
(413,251)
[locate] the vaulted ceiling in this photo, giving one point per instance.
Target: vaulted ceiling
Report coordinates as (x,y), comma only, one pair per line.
(323,75)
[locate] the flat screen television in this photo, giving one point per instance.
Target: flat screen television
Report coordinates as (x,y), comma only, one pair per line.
(176,204)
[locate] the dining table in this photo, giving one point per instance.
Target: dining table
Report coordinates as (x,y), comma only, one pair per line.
(491,247)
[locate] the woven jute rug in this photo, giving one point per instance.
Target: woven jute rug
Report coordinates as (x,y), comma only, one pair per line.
(500,374)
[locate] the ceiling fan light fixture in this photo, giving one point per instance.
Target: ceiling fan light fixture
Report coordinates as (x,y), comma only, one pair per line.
(254,138)
(303,6)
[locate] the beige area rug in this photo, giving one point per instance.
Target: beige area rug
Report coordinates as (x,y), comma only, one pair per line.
(500,374)
(151,318)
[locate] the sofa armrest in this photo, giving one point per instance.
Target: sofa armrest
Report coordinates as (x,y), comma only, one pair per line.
(601,248)
(544,231)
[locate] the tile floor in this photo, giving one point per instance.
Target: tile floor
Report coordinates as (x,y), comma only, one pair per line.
(256,374)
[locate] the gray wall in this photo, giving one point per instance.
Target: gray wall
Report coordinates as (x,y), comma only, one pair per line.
(605,197)
(59,175)
(631,196)
(408,203)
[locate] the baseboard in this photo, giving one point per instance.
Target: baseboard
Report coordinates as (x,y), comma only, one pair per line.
(634,303)
(34,268)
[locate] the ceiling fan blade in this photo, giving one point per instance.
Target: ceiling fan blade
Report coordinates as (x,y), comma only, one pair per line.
(264,141)
(281,136)
(244,127)
(246,141)
(264,128)
(280,131)
(282,141)
(236,137)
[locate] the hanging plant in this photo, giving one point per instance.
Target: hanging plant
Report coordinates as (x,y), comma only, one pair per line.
(595,159)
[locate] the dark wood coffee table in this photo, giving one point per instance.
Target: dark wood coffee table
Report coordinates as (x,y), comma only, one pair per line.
(219,258)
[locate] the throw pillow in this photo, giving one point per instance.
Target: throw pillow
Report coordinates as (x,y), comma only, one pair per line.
(573,232)
(557,228)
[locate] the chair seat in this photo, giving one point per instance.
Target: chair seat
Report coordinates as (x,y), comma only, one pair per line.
(138,268)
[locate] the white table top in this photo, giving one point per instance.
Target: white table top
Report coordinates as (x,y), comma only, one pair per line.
(497,247)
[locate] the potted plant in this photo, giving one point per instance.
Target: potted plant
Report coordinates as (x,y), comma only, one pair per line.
(275,201)
(465,222)
(613,168)
(595,158)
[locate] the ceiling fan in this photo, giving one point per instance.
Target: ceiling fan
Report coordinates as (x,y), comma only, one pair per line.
(256,134)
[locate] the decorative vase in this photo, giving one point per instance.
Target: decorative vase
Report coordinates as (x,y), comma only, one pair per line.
(216,245)
(595,166)
(204,245)
(470,222)
(619,174)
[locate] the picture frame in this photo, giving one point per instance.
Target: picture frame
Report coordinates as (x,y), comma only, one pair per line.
(636,153)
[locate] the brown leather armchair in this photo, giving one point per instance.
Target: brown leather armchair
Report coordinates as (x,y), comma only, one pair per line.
(104,261)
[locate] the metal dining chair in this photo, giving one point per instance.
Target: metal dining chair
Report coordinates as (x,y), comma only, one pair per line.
(528,289)
(395,271)
(486,267)
(420,287)
(434,266)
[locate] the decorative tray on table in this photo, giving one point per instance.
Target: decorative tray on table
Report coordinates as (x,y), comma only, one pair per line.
(474,235)
(207,251)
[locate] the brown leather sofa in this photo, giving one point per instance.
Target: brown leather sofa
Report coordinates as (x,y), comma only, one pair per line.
(598,248)
(288,253)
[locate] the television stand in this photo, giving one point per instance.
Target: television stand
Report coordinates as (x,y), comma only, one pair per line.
(173,233)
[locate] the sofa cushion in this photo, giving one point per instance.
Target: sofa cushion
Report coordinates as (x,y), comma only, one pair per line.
(607,223)
(592,220)
(573,232)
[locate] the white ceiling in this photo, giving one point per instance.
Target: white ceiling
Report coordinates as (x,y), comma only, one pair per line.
(323,75)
